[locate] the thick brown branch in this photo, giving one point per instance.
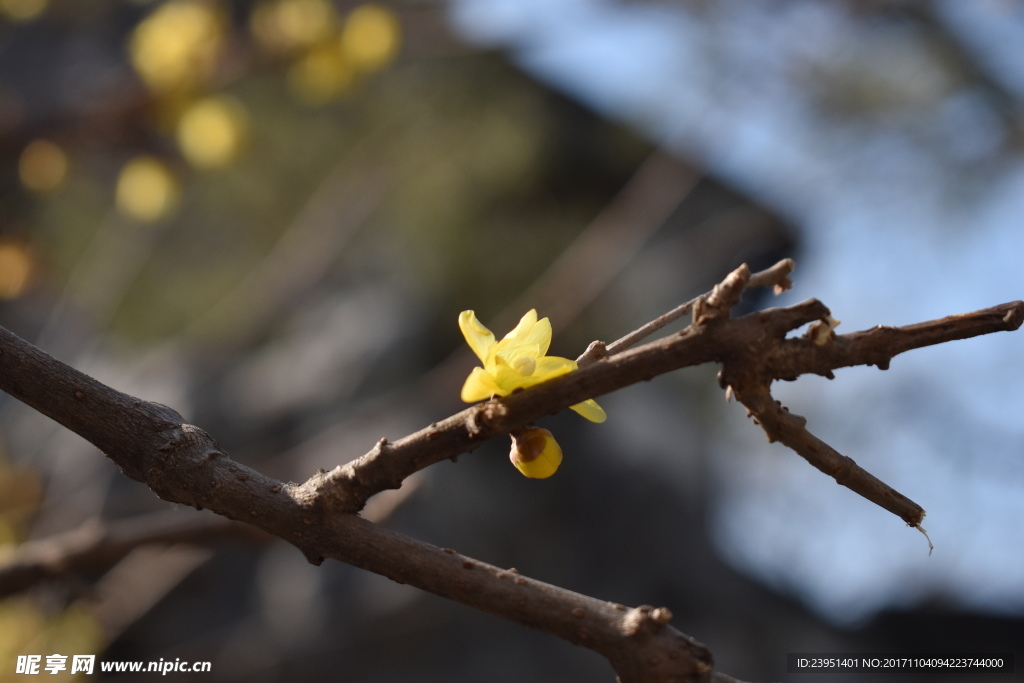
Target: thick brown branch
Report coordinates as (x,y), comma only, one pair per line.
(181,463)
(638,642)
(111,421)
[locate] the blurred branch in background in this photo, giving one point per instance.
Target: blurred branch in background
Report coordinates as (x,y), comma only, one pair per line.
(139,560)
(958,56)
(606,246)
(96,546)
(338,208)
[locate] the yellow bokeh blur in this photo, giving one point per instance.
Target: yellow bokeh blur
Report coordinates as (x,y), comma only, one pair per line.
(43,165)
(21,492)
(212,131)
(146,190)
(22,10)
(285,25)
(8,537)
(25,628)
(321,75)
(21,623)
(177,45)
(16,268)
(371,37)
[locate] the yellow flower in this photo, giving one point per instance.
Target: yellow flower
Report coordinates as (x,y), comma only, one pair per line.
(535,452)
(516,362)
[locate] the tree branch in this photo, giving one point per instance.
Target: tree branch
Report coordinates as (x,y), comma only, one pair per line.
(748,371)
(97,546)
(183,464)
(776,277)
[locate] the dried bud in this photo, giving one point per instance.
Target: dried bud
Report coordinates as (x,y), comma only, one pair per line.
(820,331)
(535,452)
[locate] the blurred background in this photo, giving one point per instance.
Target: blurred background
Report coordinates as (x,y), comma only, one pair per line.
(268,215)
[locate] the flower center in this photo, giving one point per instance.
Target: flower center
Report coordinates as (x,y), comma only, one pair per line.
(524,365)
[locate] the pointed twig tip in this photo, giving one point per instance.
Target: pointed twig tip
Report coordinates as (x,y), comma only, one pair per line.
(930,546)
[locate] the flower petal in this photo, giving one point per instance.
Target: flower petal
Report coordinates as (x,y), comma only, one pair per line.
(507,380)
(528,335)
(479,386)
(550,367)
(525,326)
(590,410)
(539,335)
(479,338)
(510,353)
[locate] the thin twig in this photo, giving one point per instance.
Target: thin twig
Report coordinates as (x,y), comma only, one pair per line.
(781,425)
(777,276)
(335,213)
(138,582)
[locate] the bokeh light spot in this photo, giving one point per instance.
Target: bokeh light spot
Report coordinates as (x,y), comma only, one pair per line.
(284,25)
(22,10)
(25,626)
(212,131)
(371,37)
(321,75)
(146,190)
(176,46)
(43,165)
(16,267)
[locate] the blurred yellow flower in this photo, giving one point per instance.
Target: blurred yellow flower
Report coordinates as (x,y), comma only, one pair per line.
(284,25)
(211,132)
(16,269)
(176,46)
(320,75)
(26,627)
(535,452)
(22,10)
(146,190)
(42,166)
(516,362)
(371,37)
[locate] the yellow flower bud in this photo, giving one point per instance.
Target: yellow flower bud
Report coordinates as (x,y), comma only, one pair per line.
(535,452)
